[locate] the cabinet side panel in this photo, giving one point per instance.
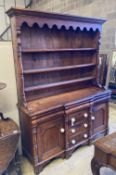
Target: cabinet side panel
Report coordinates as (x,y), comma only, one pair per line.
(16,42)
(26,133)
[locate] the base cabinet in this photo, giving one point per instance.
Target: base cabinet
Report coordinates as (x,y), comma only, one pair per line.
(60,133)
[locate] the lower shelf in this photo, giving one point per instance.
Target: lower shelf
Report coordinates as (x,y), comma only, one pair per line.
(51,85)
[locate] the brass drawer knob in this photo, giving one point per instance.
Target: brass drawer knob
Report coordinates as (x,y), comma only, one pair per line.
(62,130)
(73,121)
(73,141)
(85,115)
(73,130)
(85,125)
(93,118)
(85,136)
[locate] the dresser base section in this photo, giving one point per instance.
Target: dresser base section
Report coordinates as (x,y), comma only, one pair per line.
(60,132)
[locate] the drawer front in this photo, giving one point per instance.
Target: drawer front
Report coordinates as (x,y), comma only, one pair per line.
(76,140)
(78,117)
(78,128)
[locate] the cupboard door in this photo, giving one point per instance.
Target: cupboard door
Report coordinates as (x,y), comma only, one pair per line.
(51,138)
(99,118)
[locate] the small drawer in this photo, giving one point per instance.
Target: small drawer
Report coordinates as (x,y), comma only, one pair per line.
(78,139)
(78,117)
(82,127)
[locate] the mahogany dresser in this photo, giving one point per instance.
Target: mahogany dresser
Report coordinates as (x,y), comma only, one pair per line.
(61,103)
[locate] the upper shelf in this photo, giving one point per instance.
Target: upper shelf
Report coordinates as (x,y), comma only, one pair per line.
(58,50)
(52,69)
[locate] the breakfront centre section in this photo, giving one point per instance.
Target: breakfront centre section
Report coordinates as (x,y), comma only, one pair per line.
(61,103)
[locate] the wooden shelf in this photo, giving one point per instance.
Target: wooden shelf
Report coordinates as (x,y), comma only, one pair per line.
(65,98)
(57,50)
(52,69)
(50,85)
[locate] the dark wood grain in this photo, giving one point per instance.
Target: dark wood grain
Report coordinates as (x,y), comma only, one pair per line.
(56,60)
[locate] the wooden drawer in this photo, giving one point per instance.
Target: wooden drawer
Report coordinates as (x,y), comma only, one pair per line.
(78,117)
(78,128)
(78,139)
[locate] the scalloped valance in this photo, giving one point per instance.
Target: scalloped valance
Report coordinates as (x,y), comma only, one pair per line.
(59,27)
(54,19)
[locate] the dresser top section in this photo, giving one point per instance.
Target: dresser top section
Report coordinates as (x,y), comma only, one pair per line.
(59,20)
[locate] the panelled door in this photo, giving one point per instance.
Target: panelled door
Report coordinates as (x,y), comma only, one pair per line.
(51,137)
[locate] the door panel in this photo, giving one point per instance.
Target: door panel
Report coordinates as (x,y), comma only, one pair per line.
(99,117)
(50,138)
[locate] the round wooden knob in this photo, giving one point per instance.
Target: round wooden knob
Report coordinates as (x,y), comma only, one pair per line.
(85,115)
(73,130)
(15,131)
(85,125)
(85,136)
(73,141)
(93,118)
(73,119)
(62,130)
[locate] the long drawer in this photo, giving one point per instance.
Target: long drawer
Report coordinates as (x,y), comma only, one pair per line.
(78,128)
(78,116)
(77,139)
